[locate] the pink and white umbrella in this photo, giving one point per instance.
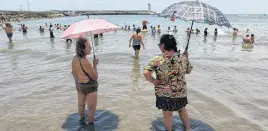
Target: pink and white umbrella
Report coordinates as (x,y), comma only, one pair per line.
(88,27)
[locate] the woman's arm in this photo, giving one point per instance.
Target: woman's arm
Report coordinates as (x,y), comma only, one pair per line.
(142,42)
(188,66)
(130,40)
(91,71)
(3,27)
(148,76)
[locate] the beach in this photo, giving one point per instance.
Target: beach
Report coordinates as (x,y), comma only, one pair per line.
(227,89)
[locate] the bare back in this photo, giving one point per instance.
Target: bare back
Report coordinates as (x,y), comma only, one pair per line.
(136,36)
(77,71)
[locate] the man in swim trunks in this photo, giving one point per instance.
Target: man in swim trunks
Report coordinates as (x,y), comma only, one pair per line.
(9,31)
(144,25)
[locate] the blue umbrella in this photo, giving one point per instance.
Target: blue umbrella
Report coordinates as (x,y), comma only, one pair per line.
(196,11)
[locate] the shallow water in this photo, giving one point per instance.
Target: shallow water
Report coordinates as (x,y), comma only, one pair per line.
(227,87)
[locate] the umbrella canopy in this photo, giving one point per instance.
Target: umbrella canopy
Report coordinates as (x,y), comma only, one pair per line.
(88,27)
(196,11)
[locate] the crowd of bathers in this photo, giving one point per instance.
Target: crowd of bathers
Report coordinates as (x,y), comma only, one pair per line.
(249,38)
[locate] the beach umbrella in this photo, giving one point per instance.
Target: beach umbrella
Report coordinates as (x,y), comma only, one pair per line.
(87,28)
(196,11)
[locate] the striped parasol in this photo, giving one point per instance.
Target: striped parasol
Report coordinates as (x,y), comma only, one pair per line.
(196,11)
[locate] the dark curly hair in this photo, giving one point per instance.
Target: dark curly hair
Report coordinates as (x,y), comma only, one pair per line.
(80,46)
(169,42)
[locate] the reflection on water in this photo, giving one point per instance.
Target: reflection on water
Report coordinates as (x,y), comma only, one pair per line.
(10,45)
(42,34)
(68,45)
(25,35)
(14,62)
(215,38)
(110,119)
(136,73)
(196,125)
(247,47)
(52,42)
(205,39)
(96,41)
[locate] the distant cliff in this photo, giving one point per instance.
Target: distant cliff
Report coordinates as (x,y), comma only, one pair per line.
(22,15)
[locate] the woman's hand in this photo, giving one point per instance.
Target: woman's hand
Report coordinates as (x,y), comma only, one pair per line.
(95,62)
(186,54)
(155,82)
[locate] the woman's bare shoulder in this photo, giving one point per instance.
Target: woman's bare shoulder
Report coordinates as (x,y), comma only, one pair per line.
(85,61)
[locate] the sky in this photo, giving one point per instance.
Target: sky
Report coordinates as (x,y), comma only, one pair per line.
(225,6)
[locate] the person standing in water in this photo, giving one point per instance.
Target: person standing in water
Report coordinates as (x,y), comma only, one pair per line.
(216,32)
(206,32)
(144,24)
(41,29)
(170,68)
(24,29)
(175,29)
(134,27)
(246,39)
(252,39)
(136,40)
(85,75)
(188,31)
(9,31)
(51,31)
(158,29)
(234,32)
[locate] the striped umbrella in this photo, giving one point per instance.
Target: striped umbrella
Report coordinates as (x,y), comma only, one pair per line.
(196,11)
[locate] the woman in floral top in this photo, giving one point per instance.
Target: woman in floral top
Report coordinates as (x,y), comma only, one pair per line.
(170,85)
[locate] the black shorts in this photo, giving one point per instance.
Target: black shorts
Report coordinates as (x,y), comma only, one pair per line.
(136,47)
(86,88)
(144,27)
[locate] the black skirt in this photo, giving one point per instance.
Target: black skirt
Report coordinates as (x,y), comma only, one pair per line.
(170,104)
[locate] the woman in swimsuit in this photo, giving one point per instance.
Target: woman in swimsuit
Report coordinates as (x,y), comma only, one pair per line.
(136,40)
(86,77)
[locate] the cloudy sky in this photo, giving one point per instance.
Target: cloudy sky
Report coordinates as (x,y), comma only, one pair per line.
(226,6)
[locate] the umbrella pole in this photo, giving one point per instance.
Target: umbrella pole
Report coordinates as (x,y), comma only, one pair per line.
(186,49)
(92,45)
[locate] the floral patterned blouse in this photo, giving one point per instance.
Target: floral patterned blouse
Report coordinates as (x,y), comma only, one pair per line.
(171,74)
